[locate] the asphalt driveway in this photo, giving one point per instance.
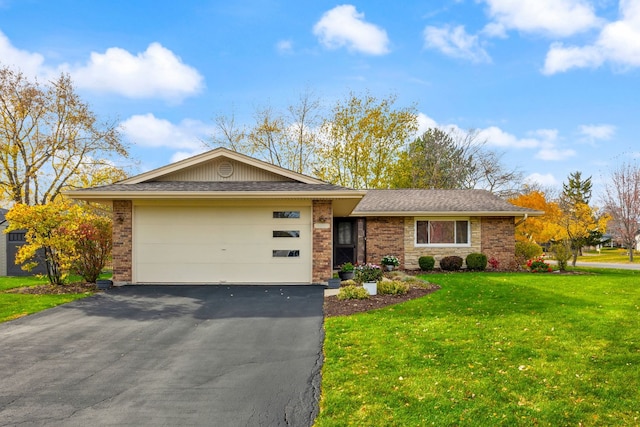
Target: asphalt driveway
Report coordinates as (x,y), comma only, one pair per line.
(167,356)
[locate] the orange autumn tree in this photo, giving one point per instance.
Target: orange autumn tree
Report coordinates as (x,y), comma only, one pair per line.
(540,229)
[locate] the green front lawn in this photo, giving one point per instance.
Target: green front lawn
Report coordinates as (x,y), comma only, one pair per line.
(612,255)
(13,306)
(491,349)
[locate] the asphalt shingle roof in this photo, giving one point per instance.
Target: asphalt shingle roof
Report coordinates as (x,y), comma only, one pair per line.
(217,186)
(444,201)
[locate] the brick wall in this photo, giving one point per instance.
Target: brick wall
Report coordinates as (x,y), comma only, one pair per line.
(322,241)
(122,240)
(498,239)
(412,253)
(384,237)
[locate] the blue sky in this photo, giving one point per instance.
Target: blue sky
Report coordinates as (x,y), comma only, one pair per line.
(554,84)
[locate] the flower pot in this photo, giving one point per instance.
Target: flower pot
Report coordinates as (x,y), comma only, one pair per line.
(333,283)
(390,267)
(345,275)
(371,287)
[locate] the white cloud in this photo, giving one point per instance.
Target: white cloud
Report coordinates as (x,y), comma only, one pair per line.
(499,138)
(149,131)
(545,180)
(31,64)
(455,42)
(155,73)
(344,26)
(425,122)
(594,133)
(618,43)
(551,153)
(543,141)
(284,47)
(558,18)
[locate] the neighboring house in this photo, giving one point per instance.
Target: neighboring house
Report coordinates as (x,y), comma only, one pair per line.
(3,243)
(223,217)
(9,245)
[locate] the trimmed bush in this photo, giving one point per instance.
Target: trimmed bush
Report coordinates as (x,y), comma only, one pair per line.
(349,282)
(353,292)
(476,262)
(392,287)
(527,250)
(451,263)
(426,263)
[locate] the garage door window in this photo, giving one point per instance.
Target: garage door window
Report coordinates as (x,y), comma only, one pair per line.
(286,214)
(286,233)
(286,253)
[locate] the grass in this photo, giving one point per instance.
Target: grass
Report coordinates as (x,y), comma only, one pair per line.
(14,306)
(513,349)
(612,255)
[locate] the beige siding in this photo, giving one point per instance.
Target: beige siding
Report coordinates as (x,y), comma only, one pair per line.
(217,170)
(3,251)
(412,253)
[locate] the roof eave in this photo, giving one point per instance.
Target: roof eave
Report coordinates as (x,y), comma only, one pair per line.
(118,195)
(446,213)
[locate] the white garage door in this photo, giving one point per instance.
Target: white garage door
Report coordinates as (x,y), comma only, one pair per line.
(255,244)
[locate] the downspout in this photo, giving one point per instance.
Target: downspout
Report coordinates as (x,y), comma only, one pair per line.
(522,220)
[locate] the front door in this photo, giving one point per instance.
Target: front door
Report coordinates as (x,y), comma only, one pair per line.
(344,241)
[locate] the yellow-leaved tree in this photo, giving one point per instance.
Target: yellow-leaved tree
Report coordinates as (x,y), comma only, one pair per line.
(540,229)
(66,237)
(362,141)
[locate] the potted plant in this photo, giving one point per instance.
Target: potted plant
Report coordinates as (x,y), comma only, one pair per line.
(368,275)
(334,282)
(390,261)
(346,271)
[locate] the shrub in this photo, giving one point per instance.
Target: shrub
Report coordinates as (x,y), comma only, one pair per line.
(352,292)
(476,262)
(562,254)
(451,263)
(347,267)
(527,250)
(349,282)
(368,273)
(390,260)
(426,263)
(494,263)
(392,287)
(537,265)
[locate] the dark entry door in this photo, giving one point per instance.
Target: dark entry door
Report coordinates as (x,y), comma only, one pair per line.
(344,241)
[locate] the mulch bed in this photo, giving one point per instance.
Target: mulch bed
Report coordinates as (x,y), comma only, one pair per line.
(334,307)
(71,288)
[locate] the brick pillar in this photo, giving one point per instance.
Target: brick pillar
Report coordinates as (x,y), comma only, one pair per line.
(122,240)
(322,241)
(498,238)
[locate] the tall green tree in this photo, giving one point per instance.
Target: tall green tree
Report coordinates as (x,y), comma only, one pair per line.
(580,222)
(576,190)
(363,139)
(454,159)
(434,160)
(48,137)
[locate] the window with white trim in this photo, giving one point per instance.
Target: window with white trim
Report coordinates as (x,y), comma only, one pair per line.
(439,232)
